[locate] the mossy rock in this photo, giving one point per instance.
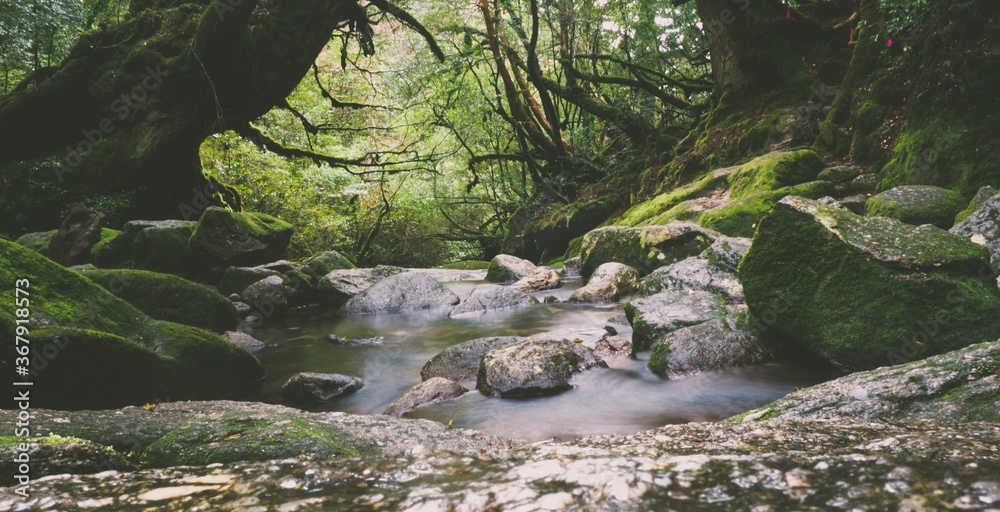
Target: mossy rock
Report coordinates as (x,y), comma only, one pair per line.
(839,175)
(983,195)
(247,436)
(322,264)
(774,171)
(90,348)
(917,204)
(867,292)
(741,217)
(168,297)
(40,241)
(644,249)
(158,246)
(225,238)
(237,279)
(505,268)
(573,251)
(661,209)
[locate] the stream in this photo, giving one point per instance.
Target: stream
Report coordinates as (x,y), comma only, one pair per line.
(621,399)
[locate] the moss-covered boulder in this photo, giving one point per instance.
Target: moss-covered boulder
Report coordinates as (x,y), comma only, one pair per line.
(322,264)
(40,241)
(917,204)
(865,292)
(984,194)
(774,171)
(155,245)
(90,348)
(740,218)
(505,268)
(168,297)
(644,249)
(225,238)
(983,228)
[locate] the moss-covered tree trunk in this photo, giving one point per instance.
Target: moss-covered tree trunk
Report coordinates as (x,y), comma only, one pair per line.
(118,124)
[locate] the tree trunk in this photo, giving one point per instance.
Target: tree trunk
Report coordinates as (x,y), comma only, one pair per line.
(119,123)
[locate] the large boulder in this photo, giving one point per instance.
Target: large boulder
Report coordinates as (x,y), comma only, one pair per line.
(695,273)
(654,316)
(709,346)
(225,238)
(609,283)
(339,286)
(533,368)
(983,227)
(492,297)
(917,205)
(268,296)
(244,341)
(401,293)
(159,246)
(461,362)
(168,297)
(90,349)
(541,278)
(644,249)
(774,171)
(316,388)
(505,268)
(956,387)
(865,292)
(431,391)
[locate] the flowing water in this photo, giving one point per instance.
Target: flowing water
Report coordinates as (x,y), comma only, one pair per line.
(624,398)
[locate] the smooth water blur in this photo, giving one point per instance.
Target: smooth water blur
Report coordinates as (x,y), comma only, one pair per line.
(624,398)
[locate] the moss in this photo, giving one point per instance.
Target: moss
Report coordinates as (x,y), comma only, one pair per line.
(574,248)
(658,358)
(866,308)
(644,213)
(168,297)
(37,241)
(741,217)
(466,265)
(8,442)
(242,436)
(917,205)
(984,194)
(774,171)
(223,238)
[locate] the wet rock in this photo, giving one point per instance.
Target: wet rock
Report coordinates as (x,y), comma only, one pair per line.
(491,297)
(643,248)
(983,227)
(354,342)
(269,295)
(619,319)
(315,388)
(654,316)
(533,368)
(572,266)
(507,269)
(959,387)
(709,346)
(609,283)
(613,346)
(694,273)
(159,246)
(541,278)
(461,362)
(244,341)
(865,292)
(551,299)
(224,238)
(55,455)
(168,297)
(400,293)
(431,391)
(917,205)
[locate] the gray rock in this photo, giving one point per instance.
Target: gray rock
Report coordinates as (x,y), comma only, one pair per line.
(491,297)
(401,293)
(339,286)
(533,368)
(242,309)
(572,266)
(609,283)
(865,183)
(269,295)
(619,319)
(983,228)
(505,268)
(431,391)
(613,346)
(541,278)
(461,362)
(917,205)
(244,341)
(654,316)
(694,273)
(237,279)
(645,248)
(726,252)
(315,388)
(709,346)
(587,336)
(982,196)
(856,203)
(957,387)
(551,299)
(57,455)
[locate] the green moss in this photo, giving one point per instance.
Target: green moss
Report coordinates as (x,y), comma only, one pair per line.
(741,217)
(37,241)
(646,212)
(168,297)
(774,171)
(917,205)
(573,250)
(241,436)
(658,358)
(980,198)
(466,265)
